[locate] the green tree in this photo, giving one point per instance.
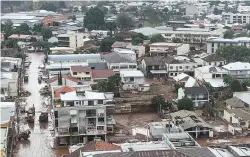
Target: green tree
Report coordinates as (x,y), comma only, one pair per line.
(62,4)
(234,53)
(106,44)
(37,27)
(23,29)
(185,104)
(112,27)
(49,7)
(236,86)
(157,38)
(229,34)
(20,55)
(11,43)
(248,26)
(157,102)
(94,19)
(138,39)
(114,80)
(217,11)
(176,40)
(102,86)
(7,28)
(84,9)
(124,21)
(228,79)
(46,33)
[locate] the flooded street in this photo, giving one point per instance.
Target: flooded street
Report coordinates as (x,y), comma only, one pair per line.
(38,144)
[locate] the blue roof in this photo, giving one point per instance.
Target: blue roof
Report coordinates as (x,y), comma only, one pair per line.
(72,57)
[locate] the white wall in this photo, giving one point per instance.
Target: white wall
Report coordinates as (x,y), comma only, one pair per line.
(227,116)
(183,49)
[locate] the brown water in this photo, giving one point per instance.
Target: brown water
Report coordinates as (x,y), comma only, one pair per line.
(38,143)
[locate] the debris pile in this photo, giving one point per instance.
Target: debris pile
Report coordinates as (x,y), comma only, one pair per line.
(46,91)
(24,93)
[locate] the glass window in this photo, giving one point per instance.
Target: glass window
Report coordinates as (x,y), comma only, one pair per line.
(171,67)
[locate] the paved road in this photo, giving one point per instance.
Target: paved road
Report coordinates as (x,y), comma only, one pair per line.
(38,143)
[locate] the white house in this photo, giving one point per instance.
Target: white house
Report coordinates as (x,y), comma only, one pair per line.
(199,95)
(138,49)
(214,43)
(238,69)
(133,80)
(9,84)
(214,60)
(179,64)
(169,48)
(72,40)
(238,119)
(118,63)
(211,74)
(126,53)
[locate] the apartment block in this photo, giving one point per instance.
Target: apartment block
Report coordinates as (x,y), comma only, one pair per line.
(72,40)
(236,18)
(80,117)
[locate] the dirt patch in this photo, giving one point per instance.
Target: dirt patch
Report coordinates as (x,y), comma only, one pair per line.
(127,122)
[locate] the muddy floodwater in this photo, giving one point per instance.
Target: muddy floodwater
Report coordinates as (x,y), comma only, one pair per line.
(38,143)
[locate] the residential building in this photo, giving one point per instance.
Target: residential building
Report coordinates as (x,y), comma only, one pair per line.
(214,60)
(66,80)
(243,8)
(133,80)
(235,102)
(212,75)
(119,63)
(80,72)
(101,74)
(10,64)
(80,117)
(119,44)
(156,129)
(214,43)
(238,69)
(72,40)
(94,147)
(154,66)
(61,49)
(7,127)
(26,38)
(168,48)
(9,84)
(191,123)
(199,95)
(57,63)
(186,80)
(179,64)
(125,53)
(191,10)
(138,49)
(243,96)
(236,18)
(238,119)
(180,140)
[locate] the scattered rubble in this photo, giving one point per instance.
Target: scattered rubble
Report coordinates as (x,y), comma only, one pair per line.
(46,91)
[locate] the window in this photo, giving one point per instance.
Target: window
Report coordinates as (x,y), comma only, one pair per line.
(100,101)
(91,103)
(131,79)
(175,74)
(74,73)
(180,67)
(171,67)
(171,74)
(87,73)
(209,63)
(215,63)
(187,67)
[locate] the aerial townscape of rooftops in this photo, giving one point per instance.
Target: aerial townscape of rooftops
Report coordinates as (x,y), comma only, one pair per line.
(125,78)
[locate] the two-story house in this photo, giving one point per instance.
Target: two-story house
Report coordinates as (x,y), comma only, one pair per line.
(119,63)
(199,95)
(9,84)
(214,60)
(133,80)
(238,69)
(138,49)
(126,53)
(163,49)
(212,75)
(180,64)
(154,66)
(80,72)
(80,117)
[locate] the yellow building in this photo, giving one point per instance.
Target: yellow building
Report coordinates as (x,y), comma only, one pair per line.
(81,72)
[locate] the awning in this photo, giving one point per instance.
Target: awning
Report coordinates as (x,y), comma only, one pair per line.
(158,71)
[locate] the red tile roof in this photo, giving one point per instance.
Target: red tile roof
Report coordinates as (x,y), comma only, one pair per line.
(102,73)
(63,89)
(100,146)
(67,77)
(80,69)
